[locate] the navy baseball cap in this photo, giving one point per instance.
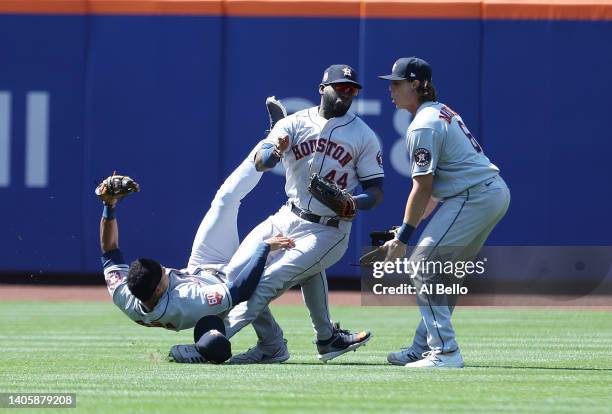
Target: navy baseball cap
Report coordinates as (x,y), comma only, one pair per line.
(340,74)
(210,339)
(410,68)
(208,323)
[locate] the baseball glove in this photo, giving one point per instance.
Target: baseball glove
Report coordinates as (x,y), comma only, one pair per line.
(328,193)
(116,187)
(378,254)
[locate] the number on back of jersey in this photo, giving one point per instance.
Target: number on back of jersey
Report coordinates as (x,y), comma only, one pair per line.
(448,114)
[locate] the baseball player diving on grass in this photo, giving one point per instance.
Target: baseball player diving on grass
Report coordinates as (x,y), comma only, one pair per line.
(156,296)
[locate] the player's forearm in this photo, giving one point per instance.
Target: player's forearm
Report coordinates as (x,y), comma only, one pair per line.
(109,231)
(417,203)
(266,158)
(415,207)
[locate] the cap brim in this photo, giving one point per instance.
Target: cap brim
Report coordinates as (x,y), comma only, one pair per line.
(391,77)
(344,81)
(206,324)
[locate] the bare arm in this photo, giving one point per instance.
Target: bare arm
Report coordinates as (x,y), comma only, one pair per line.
(418,200)
(109,233)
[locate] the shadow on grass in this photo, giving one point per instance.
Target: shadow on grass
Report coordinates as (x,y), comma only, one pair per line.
(356,364)
(380,364)
(553,368)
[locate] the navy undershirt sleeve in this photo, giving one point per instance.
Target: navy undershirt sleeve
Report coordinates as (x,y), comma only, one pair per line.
(366,201)
(245,283)
(112,258)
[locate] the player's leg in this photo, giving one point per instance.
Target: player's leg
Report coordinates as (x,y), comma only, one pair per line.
(453,232)
(419,344)
(216,240)
(243,253)
(217,237)
(288,268)
(271,346)
(415,351)
(331,340)
(315,295)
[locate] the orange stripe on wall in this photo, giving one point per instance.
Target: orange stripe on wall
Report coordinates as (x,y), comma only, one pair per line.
(557,10)
(401,9)
(121,7)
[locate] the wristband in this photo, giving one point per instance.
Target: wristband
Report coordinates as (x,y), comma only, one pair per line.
(109,212)
(404,233)
(268,156)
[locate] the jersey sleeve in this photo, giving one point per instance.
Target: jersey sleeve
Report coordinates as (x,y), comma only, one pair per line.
(424,151)
(283,127)
(115,270)
(370,163)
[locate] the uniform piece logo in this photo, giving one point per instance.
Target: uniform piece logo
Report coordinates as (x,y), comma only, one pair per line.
(113,279)
(325,76)
(347,72)
(214,298)
(422,157)
(412,75)
(379,159)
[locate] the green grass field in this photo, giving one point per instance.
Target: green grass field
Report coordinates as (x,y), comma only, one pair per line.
(517,361)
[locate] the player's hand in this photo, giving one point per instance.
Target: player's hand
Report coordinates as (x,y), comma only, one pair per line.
(282,144)
(280,242)
(395,250)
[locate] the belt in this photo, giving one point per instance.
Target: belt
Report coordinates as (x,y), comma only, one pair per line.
(313,218)
(213,272)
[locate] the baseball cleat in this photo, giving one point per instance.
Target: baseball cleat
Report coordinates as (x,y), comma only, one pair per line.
(185,354)
(256,356)
(276,110)
(435,359)
(404,356)
(342,341)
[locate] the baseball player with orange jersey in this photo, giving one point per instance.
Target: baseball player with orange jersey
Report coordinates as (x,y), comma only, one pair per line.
(337,145)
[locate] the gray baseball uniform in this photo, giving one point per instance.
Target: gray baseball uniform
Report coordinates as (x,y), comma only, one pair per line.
(201,288)
(474,199)
(342,149)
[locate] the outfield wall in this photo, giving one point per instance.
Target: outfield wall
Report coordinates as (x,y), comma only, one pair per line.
(172,93)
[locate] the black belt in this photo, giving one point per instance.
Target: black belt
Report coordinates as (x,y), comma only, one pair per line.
(313,218)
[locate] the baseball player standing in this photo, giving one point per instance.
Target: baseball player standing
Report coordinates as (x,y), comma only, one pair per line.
(335,144)
(448,164)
